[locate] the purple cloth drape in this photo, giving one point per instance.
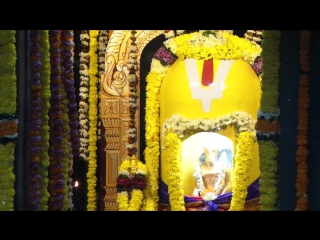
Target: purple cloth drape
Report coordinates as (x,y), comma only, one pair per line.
(253,192)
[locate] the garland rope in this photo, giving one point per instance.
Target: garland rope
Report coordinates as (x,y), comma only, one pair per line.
(133,96)
(103,42)
(35,121)
(56,178)
(8,103)
(45,105)
(269,110)
(83,93)
(302,141)
(93,120)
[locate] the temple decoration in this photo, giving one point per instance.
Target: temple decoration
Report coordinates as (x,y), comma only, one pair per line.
(83,94)
(45,106)
(103,42)
(56,177)
(118,101)
(216,82)
(131,183)
(8,117)
(35,114)
(268,127)
(302,140)
(93,120)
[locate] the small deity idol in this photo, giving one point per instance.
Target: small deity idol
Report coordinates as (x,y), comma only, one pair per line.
(213,173)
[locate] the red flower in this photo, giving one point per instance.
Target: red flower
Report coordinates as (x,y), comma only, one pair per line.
(139,182)
(123,182)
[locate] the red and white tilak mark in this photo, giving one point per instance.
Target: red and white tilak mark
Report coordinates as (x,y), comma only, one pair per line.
(211,85)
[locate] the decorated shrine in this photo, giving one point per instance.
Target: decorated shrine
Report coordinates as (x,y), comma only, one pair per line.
(159,120)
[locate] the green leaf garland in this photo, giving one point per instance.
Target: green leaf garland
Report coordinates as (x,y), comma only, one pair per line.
(8,103)
(268,146)
(45,106)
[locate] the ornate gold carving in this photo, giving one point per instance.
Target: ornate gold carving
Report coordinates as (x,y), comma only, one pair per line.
(110,199)
(112,133)
(125,108)
(114,80)
(112,168)
(114,102)
(111,108)
(124,151)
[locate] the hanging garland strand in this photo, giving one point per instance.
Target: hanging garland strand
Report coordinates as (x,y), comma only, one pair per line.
(93,120)
(302,141)
(103,42)
(69,108)
(35,121)
(83,93)
(268,124)
(133,96)
(56,178)
(67,45)
(8,103)
(45,105)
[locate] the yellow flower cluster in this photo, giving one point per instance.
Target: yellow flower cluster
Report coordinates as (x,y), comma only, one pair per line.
(243,160)
(136,200)
(223,46)
(125,165)
(154,80)
(243,157)
(137,195)
(122,200)
(175,188)
(93,118)
(148,203)
(134,204)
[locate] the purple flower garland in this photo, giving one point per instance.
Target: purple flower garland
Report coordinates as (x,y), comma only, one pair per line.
(35,122)
(56,178)
(165,56)
(257,66)
(67,75)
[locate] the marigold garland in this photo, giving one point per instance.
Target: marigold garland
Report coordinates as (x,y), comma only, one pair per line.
(45,105)
(70,113)
(199,45)
(35,121)
(93,120)
(175,188)
(131,185)
(83,93)
(243,160)
(268,147)
(7,176)
(302,140)
(65,146)
(8,58)
(56,177)
(8,103)
(67,46)
(173,130)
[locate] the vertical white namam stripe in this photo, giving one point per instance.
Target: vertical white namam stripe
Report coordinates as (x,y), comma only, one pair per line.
(207,94)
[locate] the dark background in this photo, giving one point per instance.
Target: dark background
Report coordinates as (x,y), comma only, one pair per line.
(288,88)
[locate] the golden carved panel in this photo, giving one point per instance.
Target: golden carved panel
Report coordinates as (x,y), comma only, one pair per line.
(110,199)
(110,108)
(125,108)
(114,99)
(112,168)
